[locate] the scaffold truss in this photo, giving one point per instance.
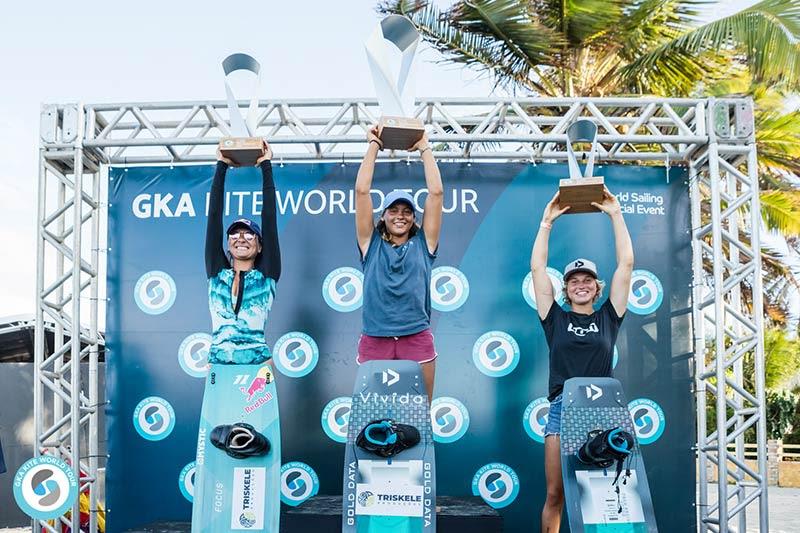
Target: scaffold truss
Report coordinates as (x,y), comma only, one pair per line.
(715,138)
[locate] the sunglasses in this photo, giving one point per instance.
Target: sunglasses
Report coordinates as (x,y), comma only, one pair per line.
(246,235)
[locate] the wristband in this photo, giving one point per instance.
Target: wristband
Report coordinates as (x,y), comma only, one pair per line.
(424,149)
(546,225)
(380,146)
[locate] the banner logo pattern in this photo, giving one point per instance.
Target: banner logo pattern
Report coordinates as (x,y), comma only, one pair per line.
(496,353)
(295,354)
(335,418)
(45,487)
(299,482)
(534,420)
(343,289)
(449,419)
(449,288)
(155,292)
(648,420)
(154,418)
(497,484)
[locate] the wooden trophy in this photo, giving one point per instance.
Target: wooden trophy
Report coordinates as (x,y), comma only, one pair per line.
(579,191)
(396,128)
(243,147)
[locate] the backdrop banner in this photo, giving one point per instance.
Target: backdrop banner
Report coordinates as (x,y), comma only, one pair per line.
(489,406)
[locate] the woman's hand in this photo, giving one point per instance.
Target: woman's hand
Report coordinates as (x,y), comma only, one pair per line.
(553,209)
(372,135)
(224,159)
(267,154)
(421,144)
(610,205)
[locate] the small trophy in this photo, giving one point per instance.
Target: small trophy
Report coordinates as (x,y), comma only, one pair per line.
(396,129)
(243,148)
(578,191)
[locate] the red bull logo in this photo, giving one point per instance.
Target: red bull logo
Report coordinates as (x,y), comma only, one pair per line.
(259,384)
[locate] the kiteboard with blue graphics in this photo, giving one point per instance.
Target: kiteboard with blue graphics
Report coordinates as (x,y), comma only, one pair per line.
(389,494)
(598,500)
(238,493)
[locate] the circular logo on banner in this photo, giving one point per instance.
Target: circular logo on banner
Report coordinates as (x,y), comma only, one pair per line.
(497,484)
(154,418)
(193,354)
(648,420)
(366,498)
(449,288)
(295,354)
(615,359)
(335,417)
(186,481)
(343,289)
(155,292)
(449,419)
(535,418)
(496,353)
(299,482)
(45,487)
(646,292)
(555,279)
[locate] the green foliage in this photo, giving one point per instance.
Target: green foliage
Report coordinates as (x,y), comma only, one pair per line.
(781,408)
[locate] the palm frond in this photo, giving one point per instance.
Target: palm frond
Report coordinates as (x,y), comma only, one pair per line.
(781,211)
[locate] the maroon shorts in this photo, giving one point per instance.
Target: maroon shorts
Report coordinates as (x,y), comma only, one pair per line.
(417,347)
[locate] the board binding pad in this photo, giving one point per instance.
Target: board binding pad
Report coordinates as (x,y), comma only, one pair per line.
(395,390)
(591,500)
(238,494)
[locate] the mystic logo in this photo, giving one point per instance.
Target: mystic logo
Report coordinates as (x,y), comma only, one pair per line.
(186,481)
(45,487)
(155,292)
(343,289)
(389,377)
(495,353)
(449,288)
(534,420)
(299,482)
(154,418)
(497,484)
(593,392)
(296,354)
(335,418)
(449,419)
(580,331)
(648,420)
(366,498)
(259,383)
(646,293)
(193,354)
(555,279)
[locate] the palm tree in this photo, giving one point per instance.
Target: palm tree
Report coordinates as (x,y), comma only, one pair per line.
(655,47)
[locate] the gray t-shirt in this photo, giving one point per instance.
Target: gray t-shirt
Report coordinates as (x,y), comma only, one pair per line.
(397,287)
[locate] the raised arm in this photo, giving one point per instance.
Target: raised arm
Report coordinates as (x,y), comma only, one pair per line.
(621,282)
(432,219)
(269,262)
(216,259)
(542,287)
(365,224)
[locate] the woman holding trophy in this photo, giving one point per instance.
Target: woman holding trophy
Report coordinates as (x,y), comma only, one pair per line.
(581,340)
(397,255)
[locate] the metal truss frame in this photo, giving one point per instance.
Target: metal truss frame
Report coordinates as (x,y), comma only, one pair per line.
(715,138)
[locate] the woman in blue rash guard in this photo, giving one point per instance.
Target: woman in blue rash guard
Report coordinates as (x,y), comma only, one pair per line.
(241,281)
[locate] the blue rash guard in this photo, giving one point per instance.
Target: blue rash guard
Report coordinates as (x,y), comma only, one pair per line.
(238,322)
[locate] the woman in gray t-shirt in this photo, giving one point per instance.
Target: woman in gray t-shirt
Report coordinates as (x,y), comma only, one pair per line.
(397,255)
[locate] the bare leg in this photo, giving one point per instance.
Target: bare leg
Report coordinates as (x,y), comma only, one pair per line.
(554,504)
(428,373)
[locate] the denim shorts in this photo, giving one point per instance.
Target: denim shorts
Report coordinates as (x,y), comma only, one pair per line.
(553,426)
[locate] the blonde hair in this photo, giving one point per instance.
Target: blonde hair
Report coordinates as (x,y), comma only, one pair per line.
(600,284)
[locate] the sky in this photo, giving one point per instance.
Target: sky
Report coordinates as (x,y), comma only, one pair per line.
(170,50)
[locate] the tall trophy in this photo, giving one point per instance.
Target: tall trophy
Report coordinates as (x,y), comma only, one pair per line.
(243,148)
(396,129)
(579,191)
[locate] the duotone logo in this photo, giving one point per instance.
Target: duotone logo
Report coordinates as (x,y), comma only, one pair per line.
(449,288)
(186,480)
(299,482)
(296,354)
(496,353)
(648,420)
(343,289)
(335,418)
(449,419)
(555,279)
(497,484)
(154,418)
(646,293)
(45,487)
(534,420)
(193,354)
(155,292)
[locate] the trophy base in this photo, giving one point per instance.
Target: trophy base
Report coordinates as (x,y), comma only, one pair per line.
(244,151)
(400,133)
(580,193)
